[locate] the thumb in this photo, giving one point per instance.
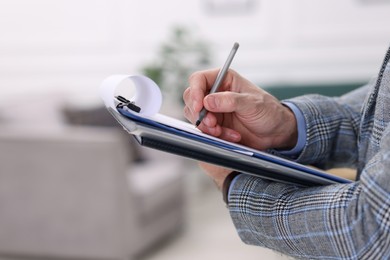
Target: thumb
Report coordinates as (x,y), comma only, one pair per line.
(225,102)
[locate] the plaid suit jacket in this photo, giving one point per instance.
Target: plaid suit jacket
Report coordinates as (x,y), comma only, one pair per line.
(341,221)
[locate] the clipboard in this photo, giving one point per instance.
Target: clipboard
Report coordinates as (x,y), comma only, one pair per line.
(138,115)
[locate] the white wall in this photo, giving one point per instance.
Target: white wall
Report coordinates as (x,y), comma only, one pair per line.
(71,46)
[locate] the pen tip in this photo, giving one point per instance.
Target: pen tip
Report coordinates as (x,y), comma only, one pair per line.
(197,123)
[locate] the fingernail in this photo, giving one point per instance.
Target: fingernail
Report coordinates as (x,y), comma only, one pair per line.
(234,135)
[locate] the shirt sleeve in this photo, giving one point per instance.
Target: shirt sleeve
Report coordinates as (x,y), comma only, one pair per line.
(301,125)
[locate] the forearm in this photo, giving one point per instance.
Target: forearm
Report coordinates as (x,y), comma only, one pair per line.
(312,223)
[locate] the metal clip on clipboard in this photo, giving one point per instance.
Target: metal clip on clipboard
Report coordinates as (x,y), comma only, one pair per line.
(127,103)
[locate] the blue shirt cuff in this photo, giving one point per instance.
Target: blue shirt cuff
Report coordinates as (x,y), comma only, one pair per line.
(301,124)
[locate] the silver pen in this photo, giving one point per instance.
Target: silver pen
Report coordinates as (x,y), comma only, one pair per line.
(221,75)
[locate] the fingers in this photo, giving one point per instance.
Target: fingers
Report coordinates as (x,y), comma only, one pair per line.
(209,125)
(194,98)
(200,84)
(228,102)
(190,114)
(230,135)
(217,173)
(219,131)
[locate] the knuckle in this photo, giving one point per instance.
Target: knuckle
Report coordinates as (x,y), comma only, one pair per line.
(233,72)
(232,99)
(187,113)
(186,94)
(187,110)
(194,76)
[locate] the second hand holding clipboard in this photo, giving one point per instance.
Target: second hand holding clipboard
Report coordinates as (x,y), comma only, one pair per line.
(168,134)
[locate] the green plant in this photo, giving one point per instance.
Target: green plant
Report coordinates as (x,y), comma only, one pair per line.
(178,56)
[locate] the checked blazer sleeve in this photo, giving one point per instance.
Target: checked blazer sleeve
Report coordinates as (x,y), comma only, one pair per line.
(333,126)
(340,221)
(328,222)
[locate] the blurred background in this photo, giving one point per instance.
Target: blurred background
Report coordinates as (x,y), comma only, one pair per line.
(73,185)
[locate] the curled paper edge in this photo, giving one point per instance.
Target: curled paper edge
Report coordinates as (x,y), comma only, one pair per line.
(147,94)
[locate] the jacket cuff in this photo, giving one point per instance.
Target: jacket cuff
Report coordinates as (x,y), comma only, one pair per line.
(226,186)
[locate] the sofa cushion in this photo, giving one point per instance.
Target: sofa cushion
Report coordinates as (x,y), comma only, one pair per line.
(157,187)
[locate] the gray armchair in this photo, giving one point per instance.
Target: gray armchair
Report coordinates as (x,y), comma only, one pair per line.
(70,192)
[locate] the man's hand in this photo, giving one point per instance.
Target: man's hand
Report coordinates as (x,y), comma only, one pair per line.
(217,173)
(240,112)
